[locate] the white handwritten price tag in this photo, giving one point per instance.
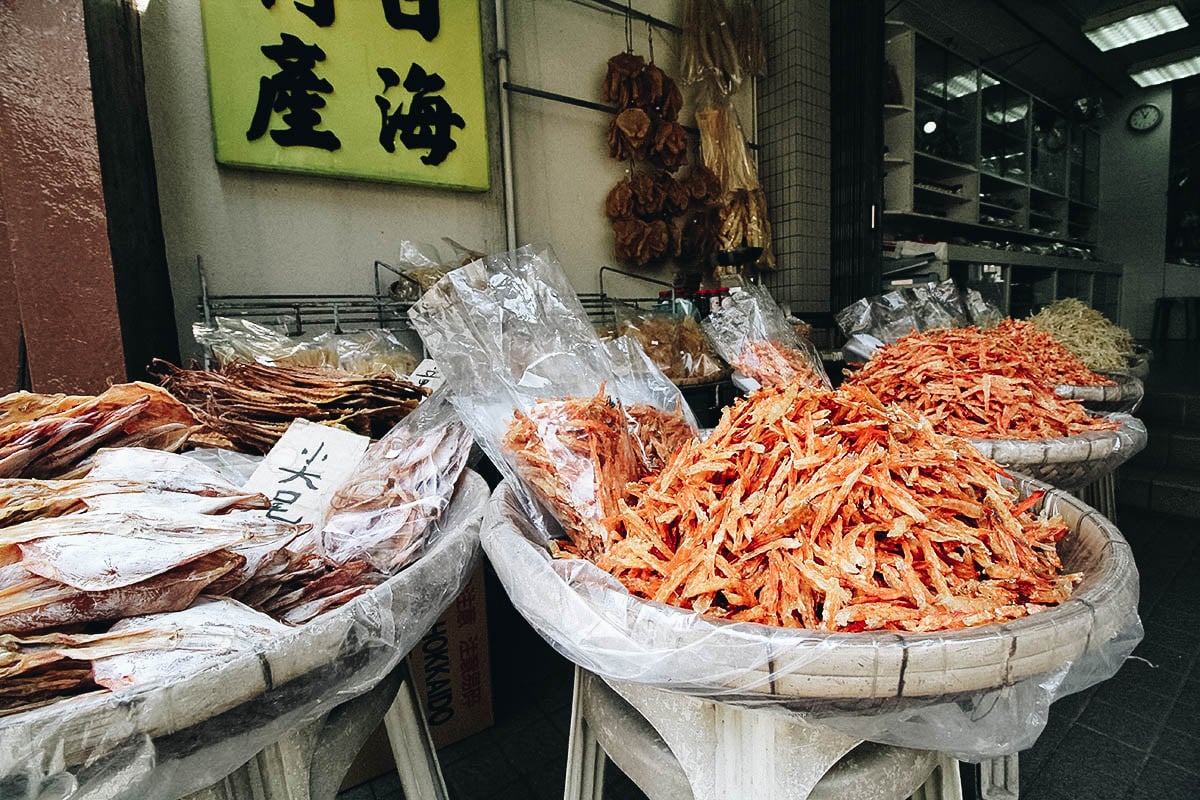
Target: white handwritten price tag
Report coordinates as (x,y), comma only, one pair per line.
(306,466)
(428,375)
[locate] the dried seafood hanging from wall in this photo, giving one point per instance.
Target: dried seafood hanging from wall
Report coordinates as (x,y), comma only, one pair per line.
(651,208)
(722,51)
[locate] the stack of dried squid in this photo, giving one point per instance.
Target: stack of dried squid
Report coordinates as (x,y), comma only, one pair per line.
(44,435)
(248,406)
(138,532)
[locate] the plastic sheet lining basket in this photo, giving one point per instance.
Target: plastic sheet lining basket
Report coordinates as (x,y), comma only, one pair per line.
(161,741)
(1139,362)
(1070,462)
(976,693)
(1123,398)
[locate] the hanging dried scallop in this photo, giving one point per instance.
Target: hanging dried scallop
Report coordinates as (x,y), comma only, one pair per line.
(702,184)
(628,134)
(675,194)
(619,203)
(621,80)
(668,148)
(647,195)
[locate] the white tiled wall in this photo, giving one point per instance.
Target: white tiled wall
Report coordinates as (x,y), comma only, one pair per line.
(794,160)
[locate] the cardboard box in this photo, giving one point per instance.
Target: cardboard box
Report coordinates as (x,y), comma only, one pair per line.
(451,672)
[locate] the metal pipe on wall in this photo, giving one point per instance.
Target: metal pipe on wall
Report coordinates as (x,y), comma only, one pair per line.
(501,59)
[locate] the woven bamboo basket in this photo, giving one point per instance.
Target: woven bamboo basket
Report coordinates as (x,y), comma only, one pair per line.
(1124,398)
(1070,462)
(592,620)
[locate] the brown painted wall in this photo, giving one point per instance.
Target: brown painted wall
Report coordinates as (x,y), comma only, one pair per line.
(53,199)
(10,320)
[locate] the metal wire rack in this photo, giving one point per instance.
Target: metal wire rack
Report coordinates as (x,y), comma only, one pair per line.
(297,313)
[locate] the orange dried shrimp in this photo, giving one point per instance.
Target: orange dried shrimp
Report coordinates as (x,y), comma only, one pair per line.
(977,384)
(579,454)
(828,510)
(1041,353)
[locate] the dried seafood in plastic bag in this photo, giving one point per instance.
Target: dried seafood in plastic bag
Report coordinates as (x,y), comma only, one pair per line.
(577,457)
(723,146)
(402,485)
(709,52)
(545,399)
(747,36)
(674,342)
(751,332)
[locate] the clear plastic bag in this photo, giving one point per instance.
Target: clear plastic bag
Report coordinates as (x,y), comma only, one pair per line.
(673,340)
(235,339)
(974,693)
(402,485)
(751,332)
(983,313)
(541,394)
(364,352)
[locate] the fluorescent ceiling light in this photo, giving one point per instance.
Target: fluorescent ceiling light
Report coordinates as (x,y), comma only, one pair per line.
(1183,64)
(961,85)
(1134,24)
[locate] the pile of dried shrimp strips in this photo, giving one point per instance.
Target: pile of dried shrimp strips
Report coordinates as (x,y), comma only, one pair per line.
(984,384)
(829,510)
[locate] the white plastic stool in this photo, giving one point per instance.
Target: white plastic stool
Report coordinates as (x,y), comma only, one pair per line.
(677,747)
(309,762)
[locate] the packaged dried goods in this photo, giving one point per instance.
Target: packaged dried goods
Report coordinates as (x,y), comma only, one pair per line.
(751,332)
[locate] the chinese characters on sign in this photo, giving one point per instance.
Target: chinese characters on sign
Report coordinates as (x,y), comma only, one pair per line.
(376,89)
(427,375)
(304,469)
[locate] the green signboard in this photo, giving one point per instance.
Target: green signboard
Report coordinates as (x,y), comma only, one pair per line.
(388,90)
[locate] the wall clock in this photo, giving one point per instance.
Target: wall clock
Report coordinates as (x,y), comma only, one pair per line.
(1144,118)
